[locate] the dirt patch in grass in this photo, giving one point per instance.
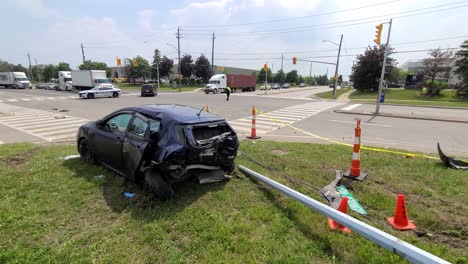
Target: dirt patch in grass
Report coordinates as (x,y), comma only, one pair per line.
(19,159)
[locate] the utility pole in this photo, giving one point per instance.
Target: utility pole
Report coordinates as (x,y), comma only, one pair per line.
(37,70)
(82,52)
(30,68)
(212,54)
(336,69)
(282,73)
(377,108)
(310,74)
(178,55)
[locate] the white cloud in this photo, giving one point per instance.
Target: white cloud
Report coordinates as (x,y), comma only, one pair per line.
(210,12)
(145,19)
(297,7)
(35,7)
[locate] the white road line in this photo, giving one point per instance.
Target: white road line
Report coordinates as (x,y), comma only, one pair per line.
(39,99)
(12,100)
(30,120)
(282,116)
(23,118)
(237,123)
(50,98)
(259,121)
(32,125)
(60,132)
(1,101)
(26,99)
(351,107)
(42,128)
(362,123)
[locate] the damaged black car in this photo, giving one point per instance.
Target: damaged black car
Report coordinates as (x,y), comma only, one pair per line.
(160,144)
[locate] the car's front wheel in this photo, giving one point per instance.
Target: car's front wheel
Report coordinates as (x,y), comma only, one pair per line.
(207,92)
(158,185)
(85,151)
(90,96)
(115,94)
(215,91)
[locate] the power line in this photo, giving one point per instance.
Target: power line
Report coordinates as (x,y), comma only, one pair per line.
(294,18)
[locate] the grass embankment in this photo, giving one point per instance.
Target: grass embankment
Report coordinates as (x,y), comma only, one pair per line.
(410,97)
(329,94)
(136,87)
(56,211)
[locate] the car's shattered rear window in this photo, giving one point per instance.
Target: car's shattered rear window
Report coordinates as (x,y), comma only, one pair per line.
(210,130)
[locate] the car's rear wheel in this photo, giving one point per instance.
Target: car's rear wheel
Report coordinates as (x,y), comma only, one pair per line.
(86,153)
(215,91)
(158,185)
(115,94)
(90,96)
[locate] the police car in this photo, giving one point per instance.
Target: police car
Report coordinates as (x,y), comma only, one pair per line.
(100,91)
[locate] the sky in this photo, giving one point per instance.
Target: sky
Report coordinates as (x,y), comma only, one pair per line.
(248,33)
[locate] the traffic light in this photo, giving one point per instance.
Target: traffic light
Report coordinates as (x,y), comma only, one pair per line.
(119,61)
(265,66)
(135,62)
(294,60)
(379,28)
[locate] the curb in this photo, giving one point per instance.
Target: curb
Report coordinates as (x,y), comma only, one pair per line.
(401,116)
(425,106)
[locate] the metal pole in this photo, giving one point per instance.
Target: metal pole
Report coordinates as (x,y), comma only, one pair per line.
(212,53)
(310,74)
(336,68)
(37,70)
(382,74)
(387,241)
(266,79)
(30,68)
(282,73)
(178,52)
(157,71)
(82,52)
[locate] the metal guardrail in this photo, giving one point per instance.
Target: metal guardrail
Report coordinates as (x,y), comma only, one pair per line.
(387,241)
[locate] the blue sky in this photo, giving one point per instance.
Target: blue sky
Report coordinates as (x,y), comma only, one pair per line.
(51,31)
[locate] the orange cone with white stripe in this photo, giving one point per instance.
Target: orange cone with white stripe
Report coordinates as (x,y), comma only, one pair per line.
(253,131)
(355,170)
(344,209)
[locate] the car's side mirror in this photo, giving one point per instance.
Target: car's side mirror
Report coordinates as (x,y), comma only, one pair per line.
(100,123)
(154,137)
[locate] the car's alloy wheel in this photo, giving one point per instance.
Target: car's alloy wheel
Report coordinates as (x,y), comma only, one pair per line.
(115,94)
(157,184)
(85,152)
(90,96)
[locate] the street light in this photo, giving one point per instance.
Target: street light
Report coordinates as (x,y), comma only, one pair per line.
(337,63)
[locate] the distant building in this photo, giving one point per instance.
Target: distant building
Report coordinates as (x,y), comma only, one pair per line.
(218,69)
(417,66)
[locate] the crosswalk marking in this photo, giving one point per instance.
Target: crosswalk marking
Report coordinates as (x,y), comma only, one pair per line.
(351,107)
(48,126)
(282,117)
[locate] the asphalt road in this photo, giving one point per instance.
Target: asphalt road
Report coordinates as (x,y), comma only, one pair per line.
(294,107)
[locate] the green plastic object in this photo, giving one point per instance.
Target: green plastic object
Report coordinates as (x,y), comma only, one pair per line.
(353,203)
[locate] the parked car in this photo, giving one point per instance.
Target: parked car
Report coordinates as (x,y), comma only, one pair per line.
(41,86)
(276,86)
(100,91)
(262,88)
(149,89)
(286,86)
(51,86)
(302,85)
(160,144)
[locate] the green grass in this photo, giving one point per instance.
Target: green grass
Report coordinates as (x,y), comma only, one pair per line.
(55,211)
(133,87)
(329,94)
(411,97)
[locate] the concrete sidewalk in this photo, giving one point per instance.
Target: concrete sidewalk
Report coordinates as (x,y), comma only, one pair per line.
(409,112)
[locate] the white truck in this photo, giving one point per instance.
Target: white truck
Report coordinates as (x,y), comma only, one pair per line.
(65,81)
(87,79)
(17,80)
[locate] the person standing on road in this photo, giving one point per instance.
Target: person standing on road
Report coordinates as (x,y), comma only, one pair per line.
(228,93)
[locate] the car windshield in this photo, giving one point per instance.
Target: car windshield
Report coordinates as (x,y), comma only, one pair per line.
(67,79)
(102,81)
(213,82)
(95,89)
(22,79)
(147,86)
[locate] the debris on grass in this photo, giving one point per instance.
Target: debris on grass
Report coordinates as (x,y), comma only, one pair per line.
(69,157)
(128,194)
(353,203)
(99,177)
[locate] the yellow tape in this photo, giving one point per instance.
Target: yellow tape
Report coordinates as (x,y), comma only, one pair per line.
(345,144)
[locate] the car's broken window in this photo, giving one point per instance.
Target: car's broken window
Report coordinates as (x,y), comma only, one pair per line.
(118,122)
(154,125)
(138,127)
(209,130)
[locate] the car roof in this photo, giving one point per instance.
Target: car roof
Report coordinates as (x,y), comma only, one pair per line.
(180,113)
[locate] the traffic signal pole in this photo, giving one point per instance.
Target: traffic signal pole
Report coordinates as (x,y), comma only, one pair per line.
(382,74)
(336,68)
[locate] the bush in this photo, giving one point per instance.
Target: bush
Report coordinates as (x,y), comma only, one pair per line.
(434,88)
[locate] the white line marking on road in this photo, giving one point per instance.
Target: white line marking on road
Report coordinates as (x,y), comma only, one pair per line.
(12,100)
(351,107)
(51,98)
(362,123)
(26,99)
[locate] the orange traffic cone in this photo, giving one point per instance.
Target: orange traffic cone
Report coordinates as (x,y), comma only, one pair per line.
(355,171)
(207,109)
(253,131)
(344,209)
(400,220)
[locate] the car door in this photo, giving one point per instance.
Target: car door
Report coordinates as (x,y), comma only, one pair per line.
(109,139)
(135,144)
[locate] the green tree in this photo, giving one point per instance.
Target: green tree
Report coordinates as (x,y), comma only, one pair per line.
(261,75)
(438,63)
(141,70)
(95,65)
(156,63)
(368,67)
(279,77)
(202,68)
(36,71)
(291,77)
(63,66)
(49,72)
(165,66)
(186,66)
(462,69)
(300,79)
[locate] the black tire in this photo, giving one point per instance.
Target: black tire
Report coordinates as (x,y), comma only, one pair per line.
(207,92)
(215,91)
(86,153)
(142,95)
(156,183)
(90,96)
(115,95)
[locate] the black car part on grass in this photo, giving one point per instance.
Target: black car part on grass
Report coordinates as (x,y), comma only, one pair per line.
(451,162)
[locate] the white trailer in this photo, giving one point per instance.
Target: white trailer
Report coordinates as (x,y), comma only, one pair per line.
(17,80)
(65,81)
(87,79)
